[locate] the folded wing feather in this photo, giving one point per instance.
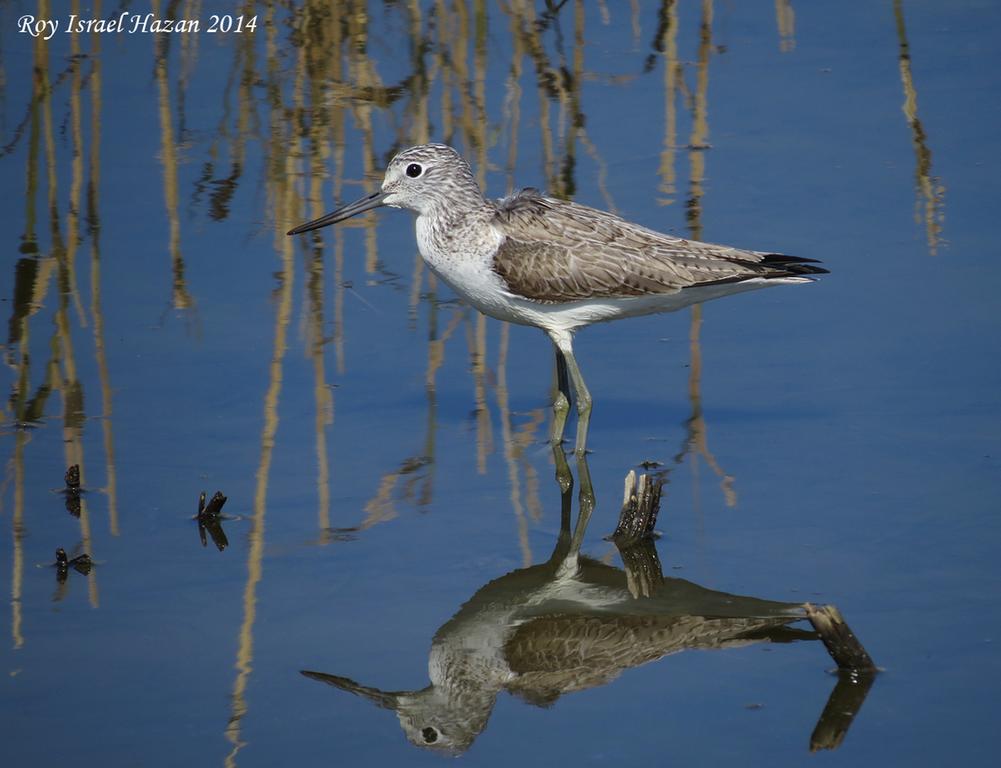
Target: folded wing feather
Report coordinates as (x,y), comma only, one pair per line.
(558,251)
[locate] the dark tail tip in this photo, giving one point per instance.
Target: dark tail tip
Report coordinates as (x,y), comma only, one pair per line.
(789,266)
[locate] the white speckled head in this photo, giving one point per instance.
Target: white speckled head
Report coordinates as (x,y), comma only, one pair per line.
(443,720)
(429,177)
(426,179)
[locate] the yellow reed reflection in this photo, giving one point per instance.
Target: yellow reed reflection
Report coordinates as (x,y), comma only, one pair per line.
(288,204)
(785,20)
(929,208)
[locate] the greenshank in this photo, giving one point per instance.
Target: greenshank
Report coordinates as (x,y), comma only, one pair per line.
(555,264)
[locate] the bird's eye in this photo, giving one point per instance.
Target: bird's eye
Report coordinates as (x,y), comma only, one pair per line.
(414,170)
(430,734)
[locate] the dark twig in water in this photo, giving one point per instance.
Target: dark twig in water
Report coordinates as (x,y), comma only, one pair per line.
(72,478)
(80,563)
(210,520)
(213,509)
(73,490)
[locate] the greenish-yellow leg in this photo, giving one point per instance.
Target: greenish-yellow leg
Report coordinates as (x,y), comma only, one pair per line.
(561,405)
(564,477)
(583,400)
(568,546)
(585,500)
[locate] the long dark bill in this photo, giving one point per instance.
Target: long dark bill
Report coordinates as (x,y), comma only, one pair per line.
(384,699)
(367,203)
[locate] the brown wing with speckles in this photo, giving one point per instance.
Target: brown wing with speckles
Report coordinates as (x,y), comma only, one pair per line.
(554,655)
(558,251)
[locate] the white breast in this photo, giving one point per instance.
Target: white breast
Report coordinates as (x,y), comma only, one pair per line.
(466,265)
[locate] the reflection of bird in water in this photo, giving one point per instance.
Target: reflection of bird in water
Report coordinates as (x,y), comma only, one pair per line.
(569,624)
(554,264)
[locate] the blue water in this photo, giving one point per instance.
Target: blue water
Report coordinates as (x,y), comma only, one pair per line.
(383,449)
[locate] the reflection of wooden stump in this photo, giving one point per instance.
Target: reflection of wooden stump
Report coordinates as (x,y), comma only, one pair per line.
(839,639)
(213,527)
(73,502)
(643,570)
(842,705)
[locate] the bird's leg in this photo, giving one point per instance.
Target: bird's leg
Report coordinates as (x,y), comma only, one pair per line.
(570,562)
(564,477)
(561,405)
(583,399)
(585,502)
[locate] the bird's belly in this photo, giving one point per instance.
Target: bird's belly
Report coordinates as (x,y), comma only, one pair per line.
(569,316)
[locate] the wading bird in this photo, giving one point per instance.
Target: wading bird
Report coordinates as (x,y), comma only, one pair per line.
(554,264)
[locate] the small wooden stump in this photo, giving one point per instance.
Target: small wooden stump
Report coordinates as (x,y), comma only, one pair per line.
(839,639)
(640,507)
(72,478)
(73,491)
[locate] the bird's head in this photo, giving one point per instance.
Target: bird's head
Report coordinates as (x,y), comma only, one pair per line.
(422,179)
(431,718)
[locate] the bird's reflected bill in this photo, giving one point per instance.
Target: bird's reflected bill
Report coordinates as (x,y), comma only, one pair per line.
(384,699)
(367,203)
